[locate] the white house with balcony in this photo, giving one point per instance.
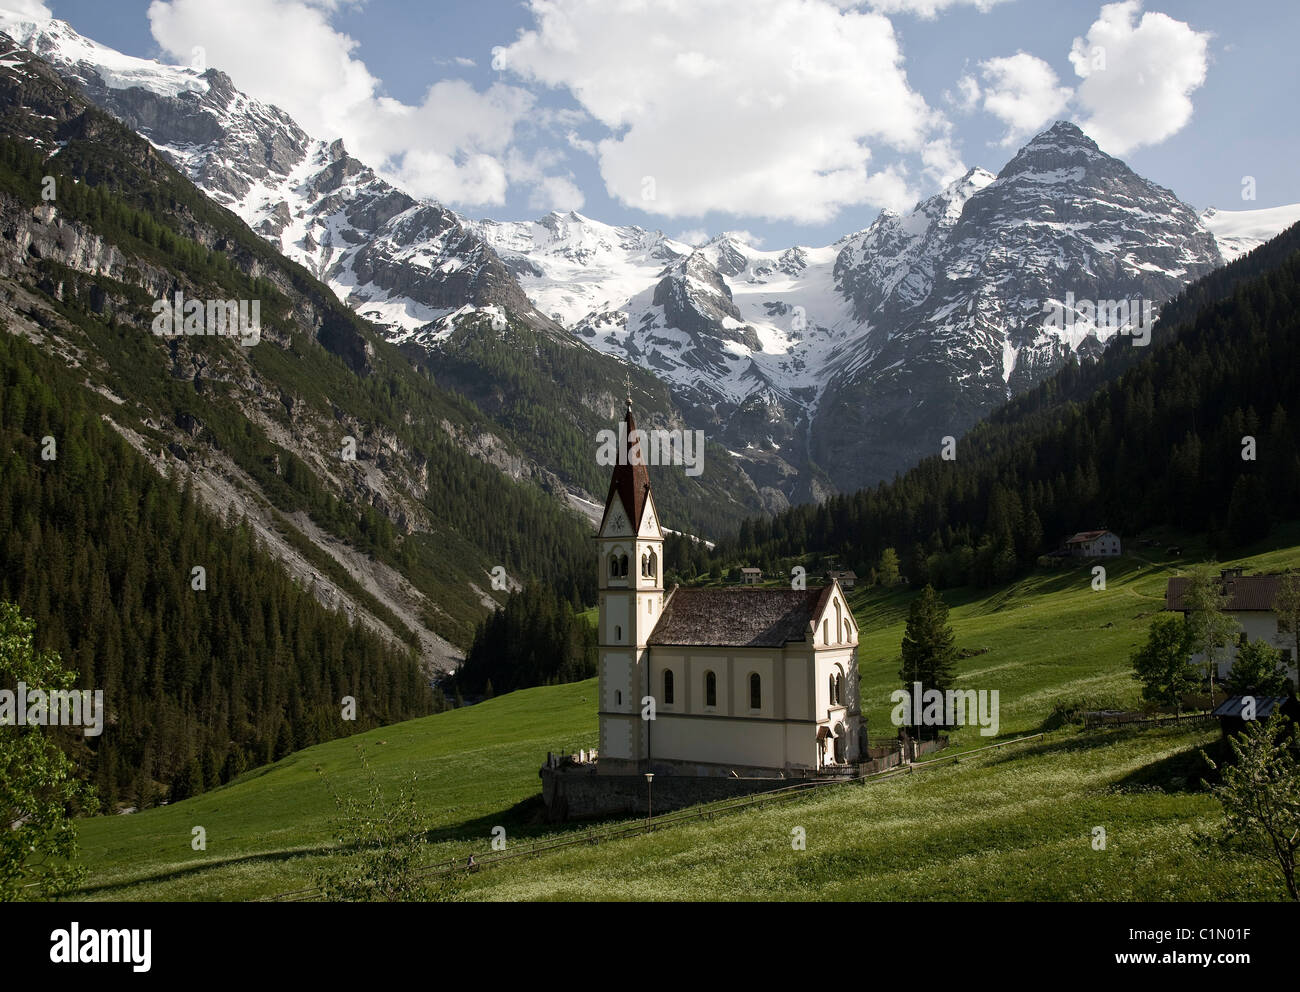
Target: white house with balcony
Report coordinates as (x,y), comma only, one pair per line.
(741,680)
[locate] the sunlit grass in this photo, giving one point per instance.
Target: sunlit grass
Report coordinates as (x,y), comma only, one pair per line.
(1012,824)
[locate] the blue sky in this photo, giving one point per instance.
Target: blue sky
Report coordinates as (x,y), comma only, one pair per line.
(669,95)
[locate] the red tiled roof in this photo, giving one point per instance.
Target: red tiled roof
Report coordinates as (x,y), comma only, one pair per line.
(1245,592)
(738,617)
(1086,535)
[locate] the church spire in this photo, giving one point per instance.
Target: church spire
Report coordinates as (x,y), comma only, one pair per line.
(630,482)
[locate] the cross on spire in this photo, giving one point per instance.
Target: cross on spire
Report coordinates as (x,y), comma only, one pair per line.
(627,379)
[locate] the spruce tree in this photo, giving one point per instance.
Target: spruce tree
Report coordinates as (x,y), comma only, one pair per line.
(929,651)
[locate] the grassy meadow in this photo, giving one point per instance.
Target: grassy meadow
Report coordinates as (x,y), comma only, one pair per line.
(1012,823)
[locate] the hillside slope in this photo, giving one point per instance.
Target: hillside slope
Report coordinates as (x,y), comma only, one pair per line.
(1050,639)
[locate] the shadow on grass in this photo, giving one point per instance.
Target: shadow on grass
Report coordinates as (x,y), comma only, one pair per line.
(1086,741)
(1183,771)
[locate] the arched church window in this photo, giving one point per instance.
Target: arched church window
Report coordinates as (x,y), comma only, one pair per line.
(668,686)
(838,617)
(622,566)
(826,631)
(839,689)
(755,692)
(848,632)
(654,565)
(710,689)
(832,691)
(645,564)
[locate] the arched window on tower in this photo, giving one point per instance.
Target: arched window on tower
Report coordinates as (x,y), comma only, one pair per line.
(838,616)
(839,689)
(654,566)
(645,565)
(710,689)
(668,686)
(617,565)
(755,692)
(832,691)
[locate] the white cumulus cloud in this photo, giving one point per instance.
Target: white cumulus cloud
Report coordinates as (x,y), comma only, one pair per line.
(450,146)
(1022,91)
(926,9)
(28,8)
(1138,76)
(782,109)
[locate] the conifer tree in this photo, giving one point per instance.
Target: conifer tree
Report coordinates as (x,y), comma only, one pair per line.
(929,651)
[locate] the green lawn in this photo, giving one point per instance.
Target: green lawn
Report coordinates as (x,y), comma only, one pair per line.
(1014,823)
(1006,824)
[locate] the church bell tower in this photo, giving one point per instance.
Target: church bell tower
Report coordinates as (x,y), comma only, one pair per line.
(630,548)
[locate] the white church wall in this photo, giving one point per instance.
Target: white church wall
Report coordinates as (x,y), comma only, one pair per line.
(759,743)
(616,736)
(617,621)
(762,665)
(798,689)
(616,681)
(676,663)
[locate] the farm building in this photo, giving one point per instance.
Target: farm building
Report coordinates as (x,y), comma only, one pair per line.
(847,579)
(1094,544)
(751,576)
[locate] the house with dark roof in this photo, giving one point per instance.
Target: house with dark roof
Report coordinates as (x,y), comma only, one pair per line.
(1250,599)
(738,680)
(751,576)
(847,578)
(1093,544)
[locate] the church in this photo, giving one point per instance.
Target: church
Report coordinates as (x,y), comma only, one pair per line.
(738,681)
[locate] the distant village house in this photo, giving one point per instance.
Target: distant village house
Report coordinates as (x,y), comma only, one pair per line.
(751,576)
(1093,544)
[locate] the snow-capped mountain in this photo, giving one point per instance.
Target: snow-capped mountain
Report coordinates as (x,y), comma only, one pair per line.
(851,356)
(571,266)
(819,367)
(410,266)
(1063,227)
(1242,231)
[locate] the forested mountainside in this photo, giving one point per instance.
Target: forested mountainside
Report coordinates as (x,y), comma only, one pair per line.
(1197,432)
(322,572)
(199,683)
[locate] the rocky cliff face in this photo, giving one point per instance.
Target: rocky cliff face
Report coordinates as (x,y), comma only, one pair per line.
(260,431)
(402,263)
(1062,226)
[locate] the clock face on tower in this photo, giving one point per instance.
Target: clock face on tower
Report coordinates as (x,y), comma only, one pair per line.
(618,521)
